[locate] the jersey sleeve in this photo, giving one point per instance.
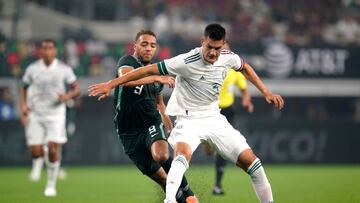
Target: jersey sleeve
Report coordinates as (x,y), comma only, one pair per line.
(125,61)
(173,66)
(237,63)
(70,76)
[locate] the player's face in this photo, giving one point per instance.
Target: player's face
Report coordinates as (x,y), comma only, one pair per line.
(48,52)
(145,48)
(211,49)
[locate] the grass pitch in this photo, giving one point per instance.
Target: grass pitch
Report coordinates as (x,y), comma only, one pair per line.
(290,184)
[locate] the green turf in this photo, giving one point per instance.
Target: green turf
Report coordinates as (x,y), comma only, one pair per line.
(295,184)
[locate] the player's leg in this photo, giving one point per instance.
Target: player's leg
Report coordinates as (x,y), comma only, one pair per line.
(53,167)
(56,137)
(252,165)
(160,178)
(37,155)
(35,135)
(182,153)
(232,145)
(220,164)
(159,148)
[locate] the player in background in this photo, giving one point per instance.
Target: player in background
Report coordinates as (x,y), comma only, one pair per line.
(200,74)
(42,101)
(233,80)
(140,118)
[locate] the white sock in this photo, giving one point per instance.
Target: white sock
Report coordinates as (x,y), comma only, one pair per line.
(53,171)
(175,175)
(37,165)
(260,182)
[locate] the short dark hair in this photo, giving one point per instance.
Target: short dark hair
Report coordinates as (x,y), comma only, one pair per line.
(48,40)
(144,32)
(215,31)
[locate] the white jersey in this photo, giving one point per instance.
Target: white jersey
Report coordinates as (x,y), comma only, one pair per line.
(45,83)
(198,82)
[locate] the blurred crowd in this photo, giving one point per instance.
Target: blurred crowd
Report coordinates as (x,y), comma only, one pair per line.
(87,58)
(298,22)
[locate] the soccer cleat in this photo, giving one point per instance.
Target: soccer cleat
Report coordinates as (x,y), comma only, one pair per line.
(34,176)
(192,199)
(50,192)
(217,191)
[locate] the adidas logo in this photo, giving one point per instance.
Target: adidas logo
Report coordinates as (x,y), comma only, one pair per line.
(202,78)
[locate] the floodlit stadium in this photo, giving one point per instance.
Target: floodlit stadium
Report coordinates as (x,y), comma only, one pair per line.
(306,51)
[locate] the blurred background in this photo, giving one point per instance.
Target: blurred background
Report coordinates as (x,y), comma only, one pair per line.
(307,51)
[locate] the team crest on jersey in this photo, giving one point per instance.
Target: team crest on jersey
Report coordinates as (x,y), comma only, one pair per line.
(216,87)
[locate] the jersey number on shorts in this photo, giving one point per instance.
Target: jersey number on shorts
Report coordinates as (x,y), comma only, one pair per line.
(138,89)
(152,129)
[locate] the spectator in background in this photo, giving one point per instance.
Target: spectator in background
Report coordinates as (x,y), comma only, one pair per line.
(298,30)
(347,29)
(7,108)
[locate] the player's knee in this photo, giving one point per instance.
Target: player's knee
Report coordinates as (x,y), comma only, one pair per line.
(245,159)
(36,152)
(161,157)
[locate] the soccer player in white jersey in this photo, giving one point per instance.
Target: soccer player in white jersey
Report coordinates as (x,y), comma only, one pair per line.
(195,101)
(43,97)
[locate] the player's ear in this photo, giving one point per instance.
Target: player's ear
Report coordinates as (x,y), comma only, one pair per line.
(202,40)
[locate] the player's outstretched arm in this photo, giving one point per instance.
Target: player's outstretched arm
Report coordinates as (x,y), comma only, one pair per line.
(166,80)
(250,74)
(104,89)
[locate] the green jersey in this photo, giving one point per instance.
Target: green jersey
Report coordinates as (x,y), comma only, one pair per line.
(135,107)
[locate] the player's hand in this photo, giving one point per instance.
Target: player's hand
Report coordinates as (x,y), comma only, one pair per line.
(25,109)
(167,80)
(63,97)
(24,119)
(276,99)
(102,89)
(246,103)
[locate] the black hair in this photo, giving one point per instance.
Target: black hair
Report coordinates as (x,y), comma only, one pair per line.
(48,40)
(215,31)
(144,32)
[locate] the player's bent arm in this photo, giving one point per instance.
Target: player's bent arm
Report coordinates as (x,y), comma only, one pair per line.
(134,75)
(142,81)
(74,90)
(251,75)
(246,100)
(23,104)
(166,118)
(104,89)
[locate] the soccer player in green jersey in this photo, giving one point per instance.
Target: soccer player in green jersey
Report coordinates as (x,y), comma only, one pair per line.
(141,128)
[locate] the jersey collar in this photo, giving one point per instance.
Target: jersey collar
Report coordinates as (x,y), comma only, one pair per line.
(53,64)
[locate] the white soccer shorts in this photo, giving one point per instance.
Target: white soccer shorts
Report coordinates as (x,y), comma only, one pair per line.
(213,129)
(41,130)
